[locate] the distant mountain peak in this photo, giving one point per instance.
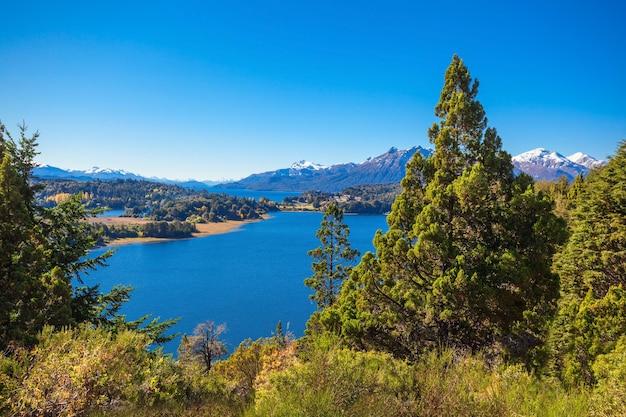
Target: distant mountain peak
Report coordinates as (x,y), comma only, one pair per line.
(108,171)
(302,164)
(542,155)
(106,174)
(387,168)
(586,160)
(543,164)
(575,157)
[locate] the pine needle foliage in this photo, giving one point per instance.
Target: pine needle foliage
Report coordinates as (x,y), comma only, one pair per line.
(333,260)
(466,260)
(592,266)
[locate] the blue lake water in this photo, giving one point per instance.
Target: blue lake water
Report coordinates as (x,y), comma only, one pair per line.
(249,279)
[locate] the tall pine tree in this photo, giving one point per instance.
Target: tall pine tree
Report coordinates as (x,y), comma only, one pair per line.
(21,259)
(333,260)
(592,266)
(466,260)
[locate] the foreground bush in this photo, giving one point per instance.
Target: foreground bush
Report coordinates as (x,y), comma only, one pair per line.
(74,371)
(610,371)
(451,383)
(90,371)
(334,381)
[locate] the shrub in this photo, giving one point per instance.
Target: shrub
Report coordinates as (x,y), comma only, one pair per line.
(77,370)
(335,381)
(329,380)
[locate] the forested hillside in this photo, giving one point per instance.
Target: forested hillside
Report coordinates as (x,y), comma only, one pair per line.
(155,201)
(173,210)
(489,295)
(360,199)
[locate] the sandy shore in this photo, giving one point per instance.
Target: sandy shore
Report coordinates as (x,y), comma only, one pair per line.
(204,229)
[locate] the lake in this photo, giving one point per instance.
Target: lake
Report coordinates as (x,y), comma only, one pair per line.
(249,279)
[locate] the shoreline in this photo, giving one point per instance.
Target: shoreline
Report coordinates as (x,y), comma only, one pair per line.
(204,229)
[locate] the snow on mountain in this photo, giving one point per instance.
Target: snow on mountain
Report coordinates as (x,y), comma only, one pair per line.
(390,167)
(586,160)
(300,165)
(543,157)
(106,171)
(543,164)
(387,168)
(104,174)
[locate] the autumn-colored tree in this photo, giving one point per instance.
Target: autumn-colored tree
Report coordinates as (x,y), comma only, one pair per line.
(80,370)
(204,345)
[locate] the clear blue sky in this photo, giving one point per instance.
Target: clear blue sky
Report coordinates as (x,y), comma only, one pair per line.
(223,89)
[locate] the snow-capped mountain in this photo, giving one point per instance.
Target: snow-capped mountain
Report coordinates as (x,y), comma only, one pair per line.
(47,171)
(585,160)
(389,167)
(107,174)
(543,164)
(108,171)
(302,165)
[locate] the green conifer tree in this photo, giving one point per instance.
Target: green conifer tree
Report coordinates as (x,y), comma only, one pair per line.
(42,250)
(592,266)
(333,260)
(21,259)
(466,260)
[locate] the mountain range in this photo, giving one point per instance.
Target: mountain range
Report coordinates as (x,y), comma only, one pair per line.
(542,164)
(304,176)
(389,167)
(107,174)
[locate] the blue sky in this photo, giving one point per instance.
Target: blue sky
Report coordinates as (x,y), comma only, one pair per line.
(222,89)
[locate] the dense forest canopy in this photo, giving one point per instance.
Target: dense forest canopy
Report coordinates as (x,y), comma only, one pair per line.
(173,210)
(489,295)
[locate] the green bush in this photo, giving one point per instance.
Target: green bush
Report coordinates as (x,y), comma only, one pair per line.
(332,381)
(610,372)
(329,380)
(77,370)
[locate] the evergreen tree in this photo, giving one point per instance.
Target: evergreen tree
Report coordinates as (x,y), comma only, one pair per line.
(592,266)
(42,250)
(466,259)
(31,293)
(21,259)
(333,260)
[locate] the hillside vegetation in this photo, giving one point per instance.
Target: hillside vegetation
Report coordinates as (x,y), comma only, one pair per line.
(360,199)
(155,201)
(488,295)
(173,210)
